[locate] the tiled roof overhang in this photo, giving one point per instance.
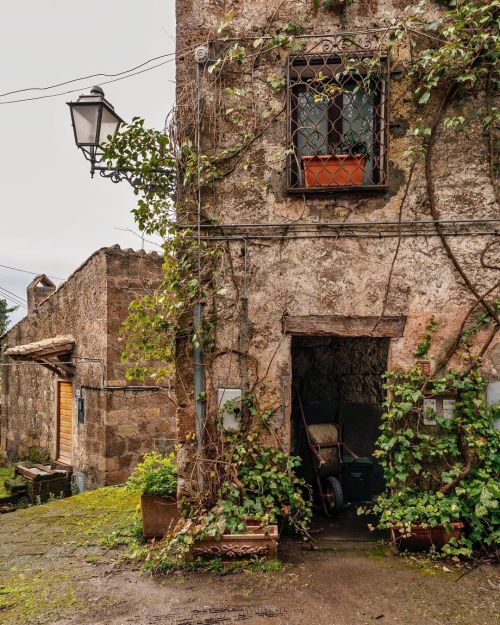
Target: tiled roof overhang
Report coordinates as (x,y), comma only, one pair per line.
(48,352)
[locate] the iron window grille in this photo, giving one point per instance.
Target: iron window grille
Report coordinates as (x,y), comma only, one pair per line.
(337,121)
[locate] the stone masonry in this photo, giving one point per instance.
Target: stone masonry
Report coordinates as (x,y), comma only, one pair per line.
(121,422)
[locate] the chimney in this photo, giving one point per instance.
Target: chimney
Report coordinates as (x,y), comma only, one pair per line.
(38,290)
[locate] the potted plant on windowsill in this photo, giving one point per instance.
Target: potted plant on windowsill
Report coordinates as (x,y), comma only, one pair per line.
(344,167)
(155,478)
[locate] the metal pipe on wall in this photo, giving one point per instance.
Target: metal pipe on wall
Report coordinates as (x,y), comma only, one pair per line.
(199,388)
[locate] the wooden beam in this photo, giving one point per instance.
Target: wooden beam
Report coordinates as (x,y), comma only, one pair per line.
(65,371)
(337,325)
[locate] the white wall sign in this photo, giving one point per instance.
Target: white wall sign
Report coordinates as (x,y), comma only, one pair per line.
(493,397)
(230,407)
(430,407)
(449,408)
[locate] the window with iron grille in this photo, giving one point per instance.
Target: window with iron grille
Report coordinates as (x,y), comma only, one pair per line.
(337,122)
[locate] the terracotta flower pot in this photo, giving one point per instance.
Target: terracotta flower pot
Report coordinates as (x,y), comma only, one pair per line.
(423,538)
(159,515)
(334,170)
(258,541)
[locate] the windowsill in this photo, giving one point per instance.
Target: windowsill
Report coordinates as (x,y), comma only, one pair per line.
(372,190)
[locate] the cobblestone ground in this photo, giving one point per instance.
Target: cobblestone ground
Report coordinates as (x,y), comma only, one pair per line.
(54,569)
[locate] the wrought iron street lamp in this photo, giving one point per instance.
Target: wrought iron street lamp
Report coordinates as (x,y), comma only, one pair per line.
(94,120)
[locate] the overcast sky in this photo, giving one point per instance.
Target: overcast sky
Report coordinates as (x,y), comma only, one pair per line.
(52,214)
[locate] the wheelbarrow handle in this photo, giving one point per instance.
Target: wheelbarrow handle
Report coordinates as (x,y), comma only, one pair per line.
(318,455)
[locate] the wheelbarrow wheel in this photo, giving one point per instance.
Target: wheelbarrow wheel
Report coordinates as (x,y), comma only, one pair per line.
(334,498)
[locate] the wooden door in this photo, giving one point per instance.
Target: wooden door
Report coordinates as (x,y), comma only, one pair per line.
(64,421)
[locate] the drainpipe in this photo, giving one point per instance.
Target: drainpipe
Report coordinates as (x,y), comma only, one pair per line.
(201,57)
(199,389)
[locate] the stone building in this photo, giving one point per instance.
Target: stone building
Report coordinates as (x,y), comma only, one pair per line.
(333,280)
(64,391)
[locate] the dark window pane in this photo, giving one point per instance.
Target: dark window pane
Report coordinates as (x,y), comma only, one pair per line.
(312,124)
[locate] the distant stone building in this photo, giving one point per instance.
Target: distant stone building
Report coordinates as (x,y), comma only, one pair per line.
(64,391)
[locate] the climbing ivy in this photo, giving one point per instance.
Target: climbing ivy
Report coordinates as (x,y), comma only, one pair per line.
(439,470)
(249,479)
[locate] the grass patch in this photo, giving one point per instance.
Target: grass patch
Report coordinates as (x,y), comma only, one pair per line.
(216,565)
(6,473)
(36,596)
(381,550)
(64,535)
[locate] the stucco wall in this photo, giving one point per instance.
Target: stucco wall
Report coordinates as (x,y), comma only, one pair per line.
(339,275)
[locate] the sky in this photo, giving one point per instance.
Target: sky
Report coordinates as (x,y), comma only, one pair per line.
(52,214)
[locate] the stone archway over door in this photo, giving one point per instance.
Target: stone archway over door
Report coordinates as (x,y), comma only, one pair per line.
(64,421)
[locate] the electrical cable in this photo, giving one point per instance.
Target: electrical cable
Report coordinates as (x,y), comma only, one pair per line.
(12,300)
(22,299)
(33,273)
(68,82)
(12,297)
(106,82)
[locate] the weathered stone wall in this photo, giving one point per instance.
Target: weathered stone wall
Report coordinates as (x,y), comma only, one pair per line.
(119,424)
(345,276)
(78,308)
(136,421)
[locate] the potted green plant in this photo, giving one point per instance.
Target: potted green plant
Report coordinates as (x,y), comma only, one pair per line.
(343,167)
(155,478)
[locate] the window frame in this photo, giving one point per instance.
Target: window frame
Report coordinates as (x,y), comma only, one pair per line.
(380,121)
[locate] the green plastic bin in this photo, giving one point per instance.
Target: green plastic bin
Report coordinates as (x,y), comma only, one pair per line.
(357,478)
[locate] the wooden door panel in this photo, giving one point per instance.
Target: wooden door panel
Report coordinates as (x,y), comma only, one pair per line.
(64,421)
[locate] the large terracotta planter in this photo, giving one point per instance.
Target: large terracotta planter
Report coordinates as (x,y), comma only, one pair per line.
(334,170)
(423,538)
(258,541)
(159,515)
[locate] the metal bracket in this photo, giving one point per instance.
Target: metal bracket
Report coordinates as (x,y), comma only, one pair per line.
(201,55)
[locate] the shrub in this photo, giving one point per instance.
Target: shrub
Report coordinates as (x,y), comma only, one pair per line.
(155,475)
(441,473)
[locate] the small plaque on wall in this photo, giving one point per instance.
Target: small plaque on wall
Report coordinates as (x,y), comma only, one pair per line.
(449,408)
(430,409)
(230,407)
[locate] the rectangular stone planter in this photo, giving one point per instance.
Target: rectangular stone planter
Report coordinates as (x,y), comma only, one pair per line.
(258,541)
(159,515)
(423,538)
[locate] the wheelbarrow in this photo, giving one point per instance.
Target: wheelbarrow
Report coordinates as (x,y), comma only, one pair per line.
(324,442)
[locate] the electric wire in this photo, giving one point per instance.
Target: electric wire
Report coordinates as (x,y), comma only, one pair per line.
(12,300)
(68,82)
(171,56)
(22,299)
(106,82)
(33,273)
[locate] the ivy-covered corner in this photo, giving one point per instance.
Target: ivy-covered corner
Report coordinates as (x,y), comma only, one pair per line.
(440,468)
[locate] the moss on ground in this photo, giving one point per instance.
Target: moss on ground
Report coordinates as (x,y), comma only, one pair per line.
(5,474)
(66,534)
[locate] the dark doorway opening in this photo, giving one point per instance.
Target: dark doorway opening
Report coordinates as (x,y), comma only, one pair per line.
(338,380)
